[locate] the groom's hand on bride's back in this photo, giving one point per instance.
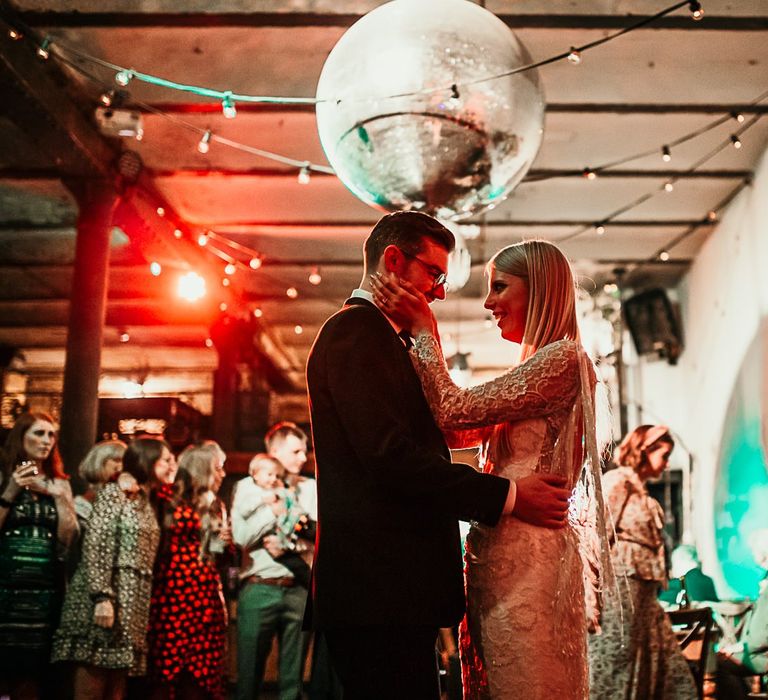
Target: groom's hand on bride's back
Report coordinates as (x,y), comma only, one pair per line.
(542,500)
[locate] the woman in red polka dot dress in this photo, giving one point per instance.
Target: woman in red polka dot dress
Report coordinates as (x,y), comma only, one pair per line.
(187,617)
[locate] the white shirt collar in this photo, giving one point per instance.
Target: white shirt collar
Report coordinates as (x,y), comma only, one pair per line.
(365,294)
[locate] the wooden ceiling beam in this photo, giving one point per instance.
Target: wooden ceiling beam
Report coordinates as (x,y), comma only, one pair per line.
(227,228)
(137,311)
(551,108)
(196,20)
(34,98)
(40,174)
(534,174)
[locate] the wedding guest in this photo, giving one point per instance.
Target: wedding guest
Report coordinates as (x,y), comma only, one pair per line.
(37,526)
(271,599)
(688,583)
(636,655)
(287,443)
(187,618)
(106,610)
(749,655)
(101,465)
(219,544)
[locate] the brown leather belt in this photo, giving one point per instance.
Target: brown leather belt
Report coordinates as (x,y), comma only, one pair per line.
(284,581)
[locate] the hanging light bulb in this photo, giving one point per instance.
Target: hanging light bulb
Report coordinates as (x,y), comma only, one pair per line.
(574,56)
(205,142)
(696,10)
(229,269)
(107,98)
(209,342)
(202,240)
(711,215)
(314,276)
(155,268)
(304,175)
(738,116)
(225,282)
(669,186)
(178,233)
(292,292)
(15,34)
(124,336)
(589,173)
(666,155)
(123,77)
(257,312)
(736,141)
(228,106)
(43,50)
(298,330)
(255,263)
(664,256)
(160,211)
(191,286)
(139,134)
(455,99)
(223,306)
(599,229)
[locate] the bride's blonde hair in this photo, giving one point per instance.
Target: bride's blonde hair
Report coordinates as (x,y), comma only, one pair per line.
(551,306)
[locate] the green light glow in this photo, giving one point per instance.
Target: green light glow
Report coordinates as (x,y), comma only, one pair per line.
(741,489)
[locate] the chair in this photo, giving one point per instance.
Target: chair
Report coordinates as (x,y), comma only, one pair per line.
(694,633)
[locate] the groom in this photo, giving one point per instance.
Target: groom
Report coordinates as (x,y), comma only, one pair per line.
(387,571)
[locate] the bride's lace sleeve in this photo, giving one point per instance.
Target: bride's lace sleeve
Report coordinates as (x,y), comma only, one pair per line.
(546,383)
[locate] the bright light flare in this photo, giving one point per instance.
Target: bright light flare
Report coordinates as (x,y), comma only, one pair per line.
(191,286)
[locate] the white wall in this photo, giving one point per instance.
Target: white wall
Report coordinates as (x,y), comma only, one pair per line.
(723,299)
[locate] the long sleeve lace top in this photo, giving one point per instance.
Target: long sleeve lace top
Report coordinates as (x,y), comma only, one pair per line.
(546,385)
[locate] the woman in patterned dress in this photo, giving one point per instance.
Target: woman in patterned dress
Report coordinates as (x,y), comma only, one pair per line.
(37,526)
(525,632)
(188,618)
(636,657)
(104,621)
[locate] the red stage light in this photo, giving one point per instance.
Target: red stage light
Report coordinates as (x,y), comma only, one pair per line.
(191,286)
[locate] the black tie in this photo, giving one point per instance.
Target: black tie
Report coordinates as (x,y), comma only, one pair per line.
(406,338)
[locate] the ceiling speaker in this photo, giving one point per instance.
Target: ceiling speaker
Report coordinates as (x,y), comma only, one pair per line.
(653,325)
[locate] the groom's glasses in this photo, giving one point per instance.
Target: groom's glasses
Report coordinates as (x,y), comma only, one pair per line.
(439,278)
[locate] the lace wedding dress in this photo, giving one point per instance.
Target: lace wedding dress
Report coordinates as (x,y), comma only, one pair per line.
(525,633)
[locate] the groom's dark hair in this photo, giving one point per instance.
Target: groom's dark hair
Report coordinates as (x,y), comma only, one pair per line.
(407,230)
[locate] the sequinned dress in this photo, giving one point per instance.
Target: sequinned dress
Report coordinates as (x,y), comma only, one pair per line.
(118,556)
(187,615)
(525,632)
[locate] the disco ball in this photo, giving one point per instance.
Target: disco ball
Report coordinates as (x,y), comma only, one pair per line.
(463,141)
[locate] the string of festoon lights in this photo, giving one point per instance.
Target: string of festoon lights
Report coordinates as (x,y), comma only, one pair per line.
(123,75)
(235,255)
(733,140)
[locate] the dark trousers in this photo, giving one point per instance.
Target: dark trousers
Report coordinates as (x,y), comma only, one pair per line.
(385,663)
(731,680)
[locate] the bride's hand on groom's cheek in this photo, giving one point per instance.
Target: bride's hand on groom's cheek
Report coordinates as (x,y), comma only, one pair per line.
(402,302)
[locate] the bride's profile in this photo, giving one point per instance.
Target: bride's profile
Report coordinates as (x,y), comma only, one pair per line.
(525,633)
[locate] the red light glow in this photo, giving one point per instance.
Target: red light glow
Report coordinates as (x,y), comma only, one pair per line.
(191,286)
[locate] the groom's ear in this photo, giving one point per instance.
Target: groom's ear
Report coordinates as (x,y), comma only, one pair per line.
(393,260)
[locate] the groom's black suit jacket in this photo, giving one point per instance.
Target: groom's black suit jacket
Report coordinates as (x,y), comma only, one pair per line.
(388,549)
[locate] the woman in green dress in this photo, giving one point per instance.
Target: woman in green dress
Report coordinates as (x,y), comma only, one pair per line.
(37,526)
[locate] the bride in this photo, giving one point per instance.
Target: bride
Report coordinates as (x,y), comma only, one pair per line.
(525,633)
